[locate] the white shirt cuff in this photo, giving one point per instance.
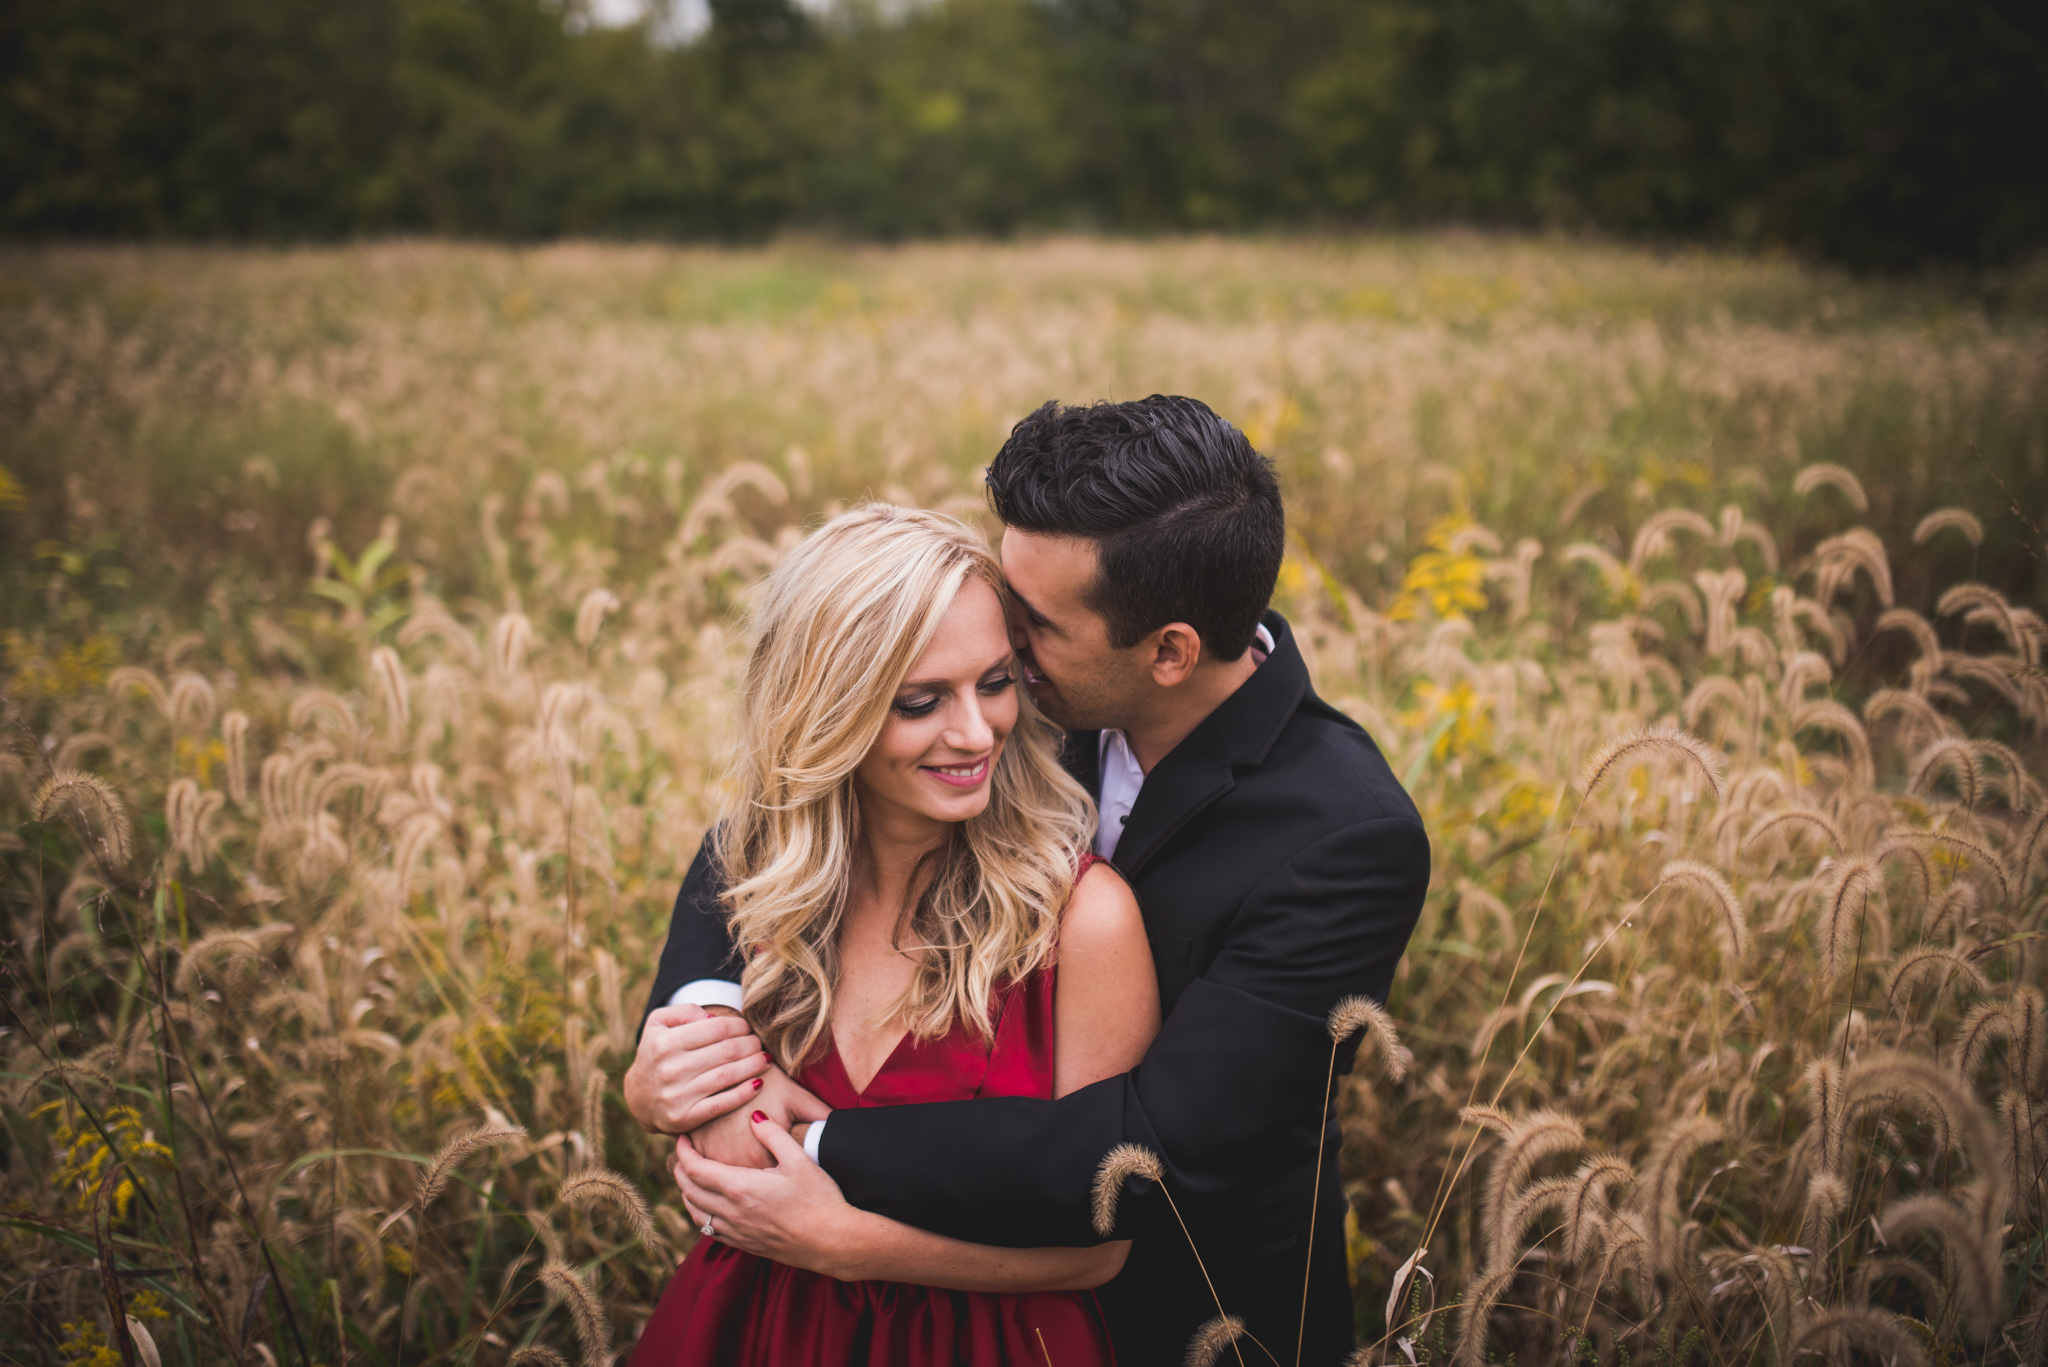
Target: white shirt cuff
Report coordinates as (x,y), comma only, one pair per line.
(811,1138)
(708,992)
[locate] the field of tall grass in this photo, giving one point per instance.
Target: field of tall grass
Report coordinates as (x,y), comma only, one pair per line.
(369,631)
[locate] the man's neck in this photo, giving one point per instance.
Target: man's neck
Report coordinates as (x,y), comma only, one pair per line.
(1178,711)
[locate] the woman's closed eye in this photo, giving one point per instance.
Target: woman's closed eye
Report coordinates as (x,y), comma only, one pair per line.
(923,704)
(920,705)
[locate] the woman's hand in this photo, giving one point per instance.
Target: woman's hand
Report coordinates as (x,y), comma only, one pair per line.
(792,1212)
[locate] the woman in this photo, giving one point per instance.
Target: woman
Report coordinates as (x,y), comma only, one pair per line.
(907,864)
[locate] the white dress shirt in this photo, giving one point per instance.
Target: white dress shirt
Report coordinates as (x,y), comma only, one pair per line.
(1122,777)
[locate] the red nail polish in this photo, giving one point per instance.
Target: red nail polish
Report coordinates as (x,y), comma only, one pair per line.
(760,1116)
(757,1084)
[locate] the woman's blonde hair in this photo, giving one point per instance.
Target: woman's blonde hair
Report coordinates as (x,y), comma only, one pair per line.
(840,622)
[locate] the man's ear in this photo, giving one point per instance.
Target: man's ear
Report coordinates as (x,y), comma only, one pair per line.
(1176,650)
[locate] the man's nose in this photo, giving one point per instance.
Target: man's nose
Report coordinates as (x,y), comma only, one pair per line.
(1020,634)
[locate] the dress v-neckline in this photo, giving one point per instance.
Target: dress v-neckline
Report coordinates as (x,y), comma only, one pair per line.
(881,1068)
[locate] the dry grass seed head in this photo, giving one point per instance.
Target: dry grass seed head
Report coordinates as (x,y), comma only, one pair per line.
(1839,557)
(602,1184)
(1472,1330)
(1588,1207)
(594,1088)
(1822,474)
(1205,1349)
(2018,1021)
(590,615)
(1824,1110)
(93,802)
(1545,1193)
(1948,755)
(1973,1252)
(1353,1014)
(60,1069)
(1721,896)
(1956,909)
(1959,1118)
(1653,538)
(2032,842)
(511,638)
(536,1355)
(1951,964)
(593,1327)
(234,734)
(1970,849)
(1875,1332)
(453,1154)
(1794,817)
(1872,1272)
(1121,1163)
(1844,908)
(391,688)
(1525,1142)
(1662,1177)
(1949,519)
(1975,599)
(2021,1120)
(1667,741)
(1612,572)
(1827,1196)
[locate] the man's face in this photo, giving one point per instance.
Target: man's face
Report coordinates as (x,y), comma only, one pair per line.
(1075,675)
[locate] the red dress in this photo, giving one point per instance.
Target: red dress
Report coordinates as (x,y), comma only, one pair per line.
(725,1308)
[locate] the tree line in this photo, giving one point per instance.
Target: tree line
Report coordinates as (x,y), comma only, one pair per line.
(1883,133)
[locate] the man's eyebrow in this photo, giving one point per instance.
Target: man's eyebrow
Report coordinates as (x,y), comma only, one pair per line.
(1025,603)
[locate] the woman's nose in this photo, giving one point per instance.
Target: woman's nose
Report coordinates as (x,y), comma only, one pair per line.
(972,732)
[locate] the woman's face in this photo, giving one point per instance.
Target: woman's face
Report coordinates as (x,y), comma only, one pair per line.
(949,720)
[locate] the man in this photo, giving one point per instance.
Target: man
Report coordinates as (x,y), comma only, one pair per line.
(1278,863)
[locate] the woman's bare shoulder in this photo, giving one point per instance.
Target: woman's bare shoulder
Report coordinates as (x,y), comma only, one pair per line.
(1102,913)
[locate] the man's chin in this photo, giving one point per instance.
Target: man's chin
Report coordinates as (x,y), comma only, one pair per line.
(1055,711)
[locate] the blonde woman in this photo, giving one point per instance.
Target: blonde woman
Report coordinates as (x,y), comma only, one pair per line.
(907,872)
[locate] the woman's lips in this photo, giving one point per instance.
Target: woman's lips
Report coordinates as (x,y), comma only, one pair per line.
(959,775)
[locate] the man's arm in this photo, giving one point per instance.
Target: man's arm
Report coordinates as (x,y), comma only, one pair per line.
(1241,1059)
(794,1214)
(699,953)
(698,1063)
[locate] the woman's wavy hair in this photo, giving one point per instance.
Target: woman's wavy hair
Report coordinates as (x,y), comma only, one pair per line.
(840,621)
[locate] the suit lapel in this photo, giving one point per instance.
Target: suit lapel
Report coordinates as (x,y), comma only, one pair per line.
(1175,792)
(1200,769)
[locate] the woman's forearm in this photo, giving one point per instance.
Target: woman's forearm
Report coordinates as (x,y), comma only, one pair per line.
(876,1248)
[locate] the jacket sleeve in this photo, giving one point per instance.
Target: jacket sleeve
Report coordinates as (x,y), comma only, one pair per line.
(699,942)
(1241,1060)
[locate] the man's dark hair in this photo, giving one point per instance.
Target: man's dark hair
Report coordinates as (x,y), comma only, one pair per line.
(1185,514)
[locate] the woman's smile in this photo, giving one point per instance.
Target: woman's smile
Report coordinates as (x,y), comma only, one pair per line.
(970,775)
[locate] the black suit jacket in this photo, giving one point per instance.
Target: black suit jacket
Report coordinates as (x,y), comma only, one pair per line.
(1280,867)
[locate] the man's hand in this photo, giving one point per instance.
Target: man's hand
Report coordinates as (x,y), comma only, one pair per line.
(735,1140)
(693,1066)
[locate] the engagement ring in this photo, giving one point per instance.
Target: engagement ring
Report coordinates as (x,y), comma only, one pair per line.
(708,1231)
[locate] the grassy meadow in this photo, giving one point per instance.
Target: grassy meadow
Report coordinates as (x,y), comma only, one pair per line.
(370,620)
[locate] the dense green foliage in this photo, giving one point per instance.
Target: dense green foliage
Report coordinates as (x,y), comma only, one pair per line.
(1880,132)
